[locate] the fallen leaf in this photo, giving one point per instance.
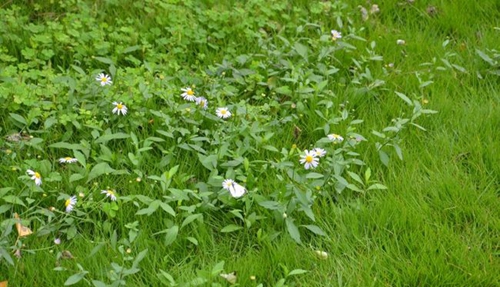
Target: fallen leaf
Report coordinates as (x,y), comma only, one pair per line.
(3,283)
(21,229)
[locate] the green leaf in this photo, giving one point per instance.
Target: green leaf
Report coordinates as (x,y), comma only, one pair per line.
(66,145)
(293,230)
(301,50)
(13,199)
(153,206)
(297,272)
(405,98)
(5,255)
(131,49)
(104,60)
(190,219)
(75,278)
(377,186)
(218,268)
(18,118)
(314,175)
(108,137)
(315,229)
(98,170)
(384,158)
(167,208)
(230,228)
(171,235)
(99,283)
(285,90)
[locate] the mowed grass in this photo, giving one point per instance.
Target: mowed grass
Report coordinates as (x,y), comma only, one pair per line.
(437,224)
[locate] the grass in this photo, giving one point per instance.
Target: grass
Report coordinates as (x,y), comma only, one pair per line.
(436,224)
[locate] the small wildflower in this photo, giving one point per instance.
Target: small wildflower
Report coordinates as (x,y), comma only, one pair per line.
(188,94)
(285,215)
(227,184)
(119,108)
(335,138)
(67,160)
(234,188)
(336,35)
(294,146)
(104,79)
(57,241)
(321,254)
(18,254)
(129,250)
(138,179)
(364,13)
(202,102)
(81,195)
(309,159)
(35,176)
(52,208)
(319,152)
(70,203)
(401,42)
(230,277)
(223,113)
(252,277)
(109,193)
(375,9)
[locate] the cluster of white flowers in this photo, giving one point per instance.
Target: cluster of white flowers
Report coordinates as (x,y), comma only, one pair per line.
(310,158)
(188,94)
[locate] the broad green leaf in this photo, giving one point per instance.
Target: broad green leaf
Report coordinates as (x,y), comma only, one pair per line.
(108,137)
(66,145)
(18,118)
(377,186)
(75,278)
(99,169)
(171,235)
(405,98)
(315,229)
(301,50)
(231,228)
(314,175)
(99,283)
(190,219)
(293,230)
(297,272)
(104,60)
(167,208)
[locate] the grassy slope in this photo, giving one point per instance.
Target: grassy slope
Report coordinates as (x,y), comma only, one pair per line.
(439,222)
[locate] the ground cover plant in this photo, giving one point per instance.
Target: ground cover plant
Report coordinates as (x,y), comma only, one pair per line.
(250,143)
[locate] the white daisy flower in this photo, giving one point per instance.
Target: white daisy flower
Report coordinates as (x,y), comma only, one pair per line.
(319,152)
(57,241)
(309,159)
(234,188)
(335,138)
(104,79)
(35,176)
(70,203)
(120,108)
(67,159)
(109,193)
(188,94)
(336,35)
(227,184)
(223,113)
(202,102)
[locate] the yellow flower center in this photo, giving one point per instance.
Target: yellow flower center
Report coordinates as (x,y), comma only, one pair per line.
(68,202)
(104,79)
(110,192)
(223,112)
(119,106)
(309,158)
(202,103)
(37,175)
(68,158)
(190,92)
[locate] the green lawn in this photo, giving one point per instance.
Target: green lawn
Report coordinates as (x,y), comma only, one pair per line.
(408,196)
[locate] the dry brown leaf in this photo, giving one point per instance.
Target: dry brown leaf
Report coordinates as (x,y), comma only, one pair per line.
(4,283)
(21,229)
